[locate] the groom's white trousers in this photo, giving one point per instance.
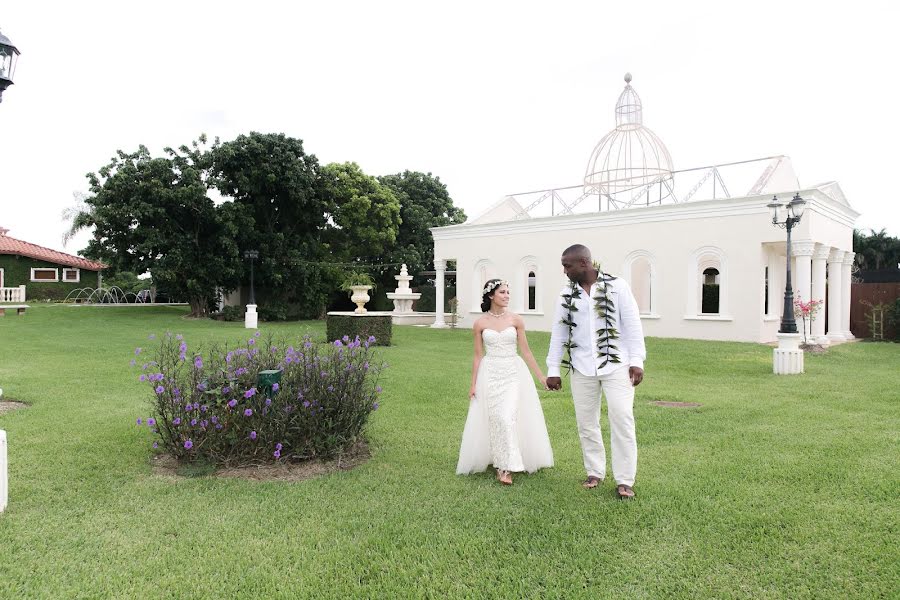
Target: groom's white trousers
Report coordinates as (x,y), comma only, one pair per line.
(619,393)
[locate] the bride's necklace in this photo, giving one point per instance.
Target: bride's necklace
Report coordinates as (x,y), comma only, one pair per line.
(498,315)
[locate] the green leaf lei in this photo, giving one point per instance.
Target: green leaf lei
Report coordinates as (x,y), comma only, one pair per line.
(606,310)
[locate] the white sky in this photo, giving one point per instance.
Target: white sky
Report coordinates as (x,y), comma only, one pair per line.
(494,97)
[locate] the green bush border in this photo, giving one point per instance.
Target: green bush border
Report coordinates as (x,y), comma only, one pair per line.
(337,326)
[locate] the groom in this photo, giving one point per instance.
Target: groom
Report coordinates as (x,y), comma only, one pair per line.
(597,320)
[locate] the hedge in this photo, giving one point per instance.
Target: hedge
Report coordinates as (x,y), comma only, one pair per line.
(337,326)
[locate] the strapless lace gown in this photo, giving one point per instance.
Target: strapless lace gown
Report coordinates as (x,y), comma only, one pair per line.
(505,426)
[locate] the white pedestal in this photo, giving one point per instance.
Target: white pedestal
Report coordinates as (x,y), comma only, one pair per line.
(787,358)
(250,317)
(4,480)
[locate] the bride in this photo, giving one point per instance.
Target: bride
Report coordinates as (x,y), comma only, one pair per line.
(505,426)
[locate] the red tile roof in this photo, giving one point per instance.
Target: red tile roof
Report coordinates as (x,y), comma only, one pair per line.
(10,245)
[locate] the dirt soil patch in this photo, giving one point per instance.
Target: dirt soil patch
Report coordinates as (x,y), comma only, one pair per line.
(166,465)
(11,405)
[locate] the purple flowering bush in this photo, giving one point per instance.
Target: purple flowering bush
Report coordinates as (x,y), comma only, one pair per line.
(214,406)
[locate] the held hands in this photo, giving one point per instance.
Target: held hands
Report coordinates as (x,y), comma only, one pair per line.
(553,383)
(543,381)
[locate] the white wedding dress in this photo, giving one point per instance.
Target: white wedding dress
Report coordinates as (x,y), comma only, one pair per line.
(505,426)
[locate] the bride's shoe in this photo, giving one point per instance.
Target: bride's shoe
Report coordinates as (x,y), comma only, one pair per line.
(504,477)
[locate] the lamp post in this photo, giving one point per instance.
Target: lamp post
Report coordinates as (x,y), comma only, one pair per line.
(787,216)
(9,55)
(250,317)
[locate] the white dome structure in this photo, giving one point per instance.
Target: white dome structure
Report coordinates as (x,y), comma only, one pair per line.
(630,166)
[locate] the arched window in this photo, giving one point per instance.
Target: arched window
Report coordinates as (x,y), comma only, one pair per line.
(532,289)
(708,287)
(640,271)
(710,298)
(482,271)
(526,290)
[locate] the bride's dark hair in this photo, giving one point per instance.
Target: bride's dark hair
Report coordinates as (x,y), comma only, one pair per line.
(491,286)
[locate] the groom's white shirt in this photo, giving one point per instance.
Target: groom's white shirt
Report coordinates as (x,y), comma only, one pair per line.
(626,320)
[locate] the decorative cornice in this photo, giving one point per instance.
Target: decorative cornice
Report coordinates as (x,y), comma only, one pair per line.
(836,256)
(803,248)
(848,258)
(818,202)
(821,252)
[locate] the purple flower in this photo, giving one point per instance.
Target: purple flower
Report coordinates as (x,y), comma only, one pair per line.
(375,406)
(151,422)
(248,412)
(307,344)
(275,387)
(155,445)
(152,336)
(306,404)
(188,444)
(218,426)
(252,435)
(160,389)
(338,343)
(278,446)
(250,393)
(204,423)
(140,421)
(193,422)
(324,374)
(251,341)
(198,362)
(179,337)
(214,419)
(176,421)
(371,339)
(365,366)
(137,351)
(188,407)
(226,389)
(229,356)
(204,408)
(142,377)
(330,388)
(277,454)
(346,338)
(232,403)
(268,402)
(201,386)
(196,405)
(133,362)
(378,389)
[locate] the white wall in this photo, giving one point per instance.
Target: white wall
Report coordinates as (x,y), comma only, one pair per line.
(678,238)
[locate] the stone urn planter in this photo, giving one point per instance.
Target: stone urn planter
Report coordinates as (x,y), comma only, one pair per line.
(360,296)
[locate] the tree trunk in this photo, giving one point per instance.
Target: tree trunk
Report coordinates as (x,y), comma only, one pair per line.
(198,307)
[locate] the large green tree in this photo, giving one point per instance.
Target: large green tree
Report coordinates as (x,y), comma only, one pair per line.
(364,216)
(277,208)
(424,203)
(876,250)
(153,214)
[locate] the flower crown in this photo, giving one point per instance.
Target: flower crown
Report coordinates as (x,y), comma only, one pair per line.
(490,286)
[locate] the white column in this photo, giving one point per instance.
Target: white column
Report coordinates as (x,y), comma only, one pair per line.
(439,266)
(4,481)
(835,292)
(820,256)
(846,281)
(803,251)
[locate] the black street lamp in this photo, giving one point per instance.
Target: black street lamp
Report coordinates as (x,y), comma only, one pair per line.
(251,255)
(9,55)
(787,216)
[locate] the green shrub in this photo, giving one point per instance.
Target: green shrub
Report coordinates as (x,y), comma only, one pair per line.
(261,402)
(364,326)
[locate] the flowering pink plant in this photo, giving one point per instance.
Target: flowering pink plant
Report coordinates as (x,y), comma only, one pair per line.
(806,311)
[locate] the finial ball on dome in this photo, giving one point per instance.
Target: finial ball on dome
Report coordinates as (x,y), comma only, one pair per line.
(627,77)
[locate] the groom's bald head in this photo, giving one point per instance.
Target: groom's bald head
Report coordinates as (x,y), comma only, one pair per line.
(576,263)
(577,252)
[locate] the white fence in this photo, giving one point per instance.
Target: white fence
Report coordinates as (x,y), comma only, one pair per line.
(12,294)
(4,493)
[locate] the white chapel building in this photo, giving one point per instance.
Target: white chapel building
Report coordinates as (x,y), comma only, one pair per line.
(697,246)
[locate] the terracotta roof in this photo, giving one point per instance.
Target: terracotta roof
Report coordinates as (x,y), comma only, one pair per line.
(10,245)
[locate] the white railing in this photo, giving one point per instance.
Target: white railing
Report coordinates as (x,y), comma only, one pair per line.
(703,183)
(12,294)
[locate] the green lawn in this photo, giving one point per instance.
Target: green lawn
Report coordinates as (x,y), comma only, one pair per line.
(777,487)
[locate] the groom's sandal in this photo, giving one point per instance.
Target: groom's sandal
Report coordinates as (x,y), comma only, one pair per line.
(591,482)
(624,492)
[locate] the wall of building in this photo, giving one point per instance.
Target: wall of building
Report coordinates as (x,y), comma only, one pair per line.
(17,271)
(678,241)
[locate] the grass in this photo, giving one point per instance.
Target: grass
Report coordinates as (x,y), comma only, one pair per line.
(776,487)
